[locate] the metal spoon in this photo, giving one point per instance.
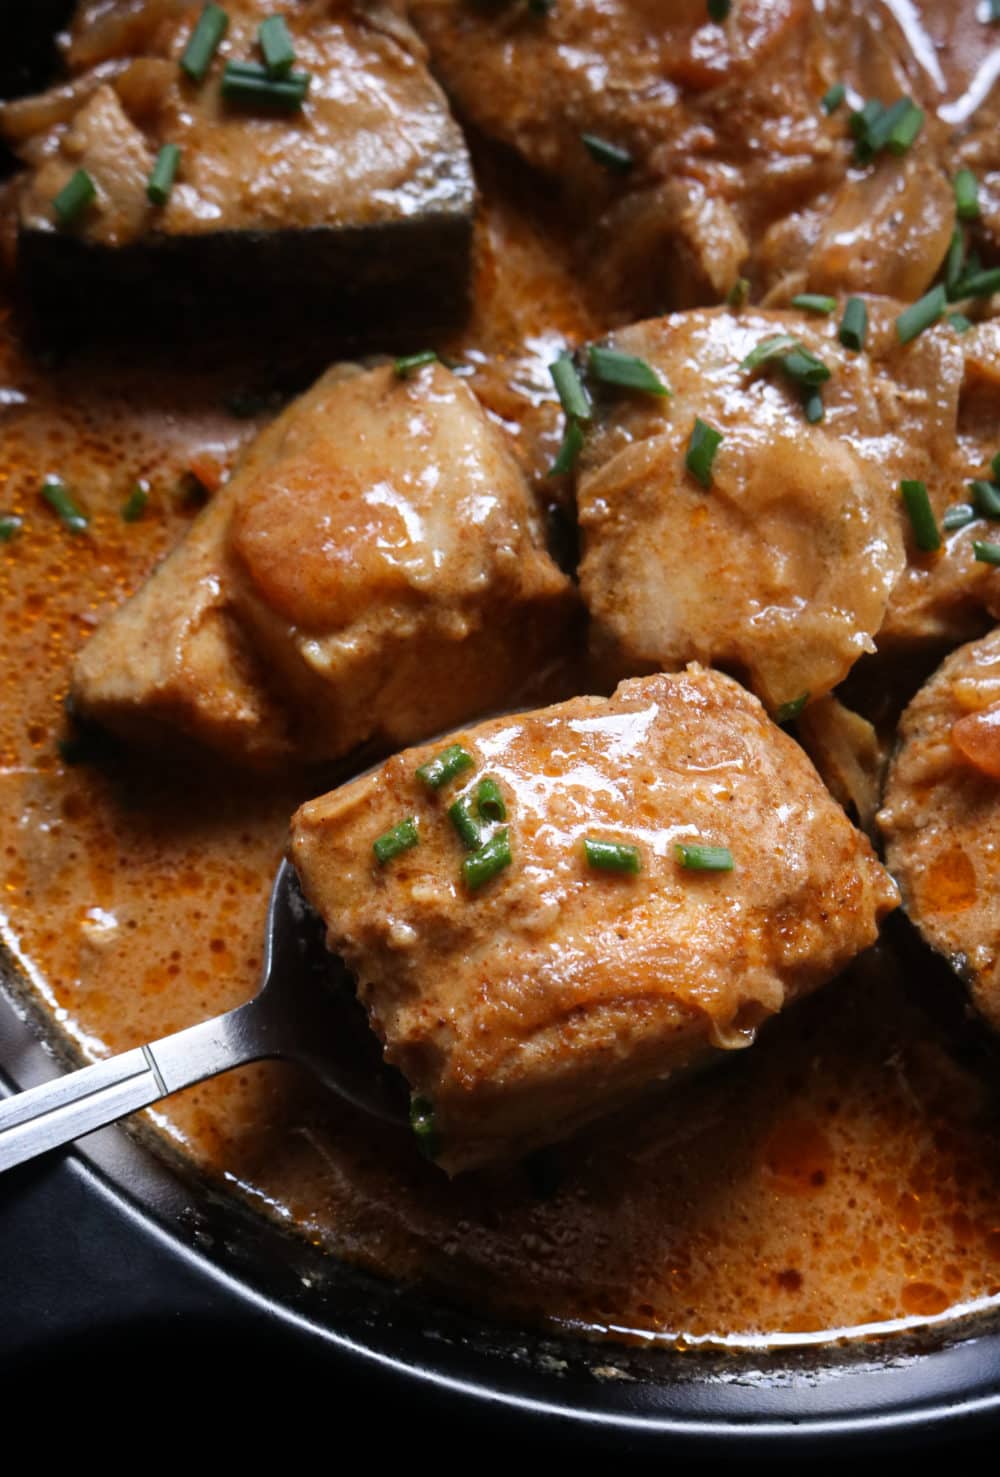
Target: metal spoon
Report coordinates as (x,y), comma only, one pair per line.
(304,1011)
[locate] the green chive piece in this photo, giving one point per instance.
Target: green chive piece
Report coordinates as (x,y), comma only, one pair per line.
(985,498)
(979,284)
(392,843)
(861,123)
(814,302)
(966,188)
(10,527)
(921,314)
(424,1127)
(76,195)
(611,856)
(625,370)
(804,367)
(161,181)
(540,7)
(60,500)
(959,515)
(791,710)
(769,348)
(854,324)
(718,10)
(570,388)
(572,445)
(610,156)
(986,553)
(702,446)
(992,12)
(739,293)
(490,804)
(407,363)
(247,82)
(995,464)
(921,514)
(881,127)
(905,129)
(959,322)
(954,262)
(135,504)
(488,861)
(468,832)
(698,858)
(812,404)
(203,42)
(276,45)
(445,766)
(832,100)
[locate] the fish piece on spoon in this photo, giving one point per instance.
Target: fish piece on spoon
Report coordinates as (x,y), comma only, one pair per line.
(549,912)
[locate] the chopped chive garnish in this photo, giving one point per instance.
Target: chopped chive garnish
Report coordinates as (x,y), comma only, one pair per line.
(959,515)
(959,322)
(954,262)
(921,314)
(698,858)
(135,504)
(203,42)
(995,464)
(992,12)
(392,843)
(424,1127)
(978,284)
(792,709)
(461,818)
(445,766)
(73,199)
(804,367)
(610,156)
(611,856)
(812,404)
(60,500)
(814,302)
(769,348)
(276,45)
(739,293)
(572,445)
(10,527)
(161,181)
(985,498)
(966,188)
(864,119)
(540,7)
(905,128)
(407,363)
(570,388)
(832,99)
(490,804)
(921,514)
(625,370)
(718,10)
(986,553)
(702,446)
(490,859)
(854,324)
(247,82)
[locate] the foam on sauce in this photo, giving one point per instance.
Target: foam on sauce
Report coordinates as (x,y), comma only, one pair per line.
(842,1173)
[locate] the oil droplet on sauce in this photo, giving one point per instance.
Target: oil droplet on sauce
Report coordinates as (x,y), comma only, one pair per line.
(798,1157)
(949,885)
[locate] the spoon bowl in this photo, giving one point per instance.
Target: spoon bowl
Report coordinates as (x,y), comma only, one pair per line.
(305,1011)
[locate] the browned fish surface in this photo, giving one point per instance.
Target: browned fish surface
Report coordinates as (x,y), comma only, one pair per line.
(373,571)
(941,816)
(357,200)
(557,990)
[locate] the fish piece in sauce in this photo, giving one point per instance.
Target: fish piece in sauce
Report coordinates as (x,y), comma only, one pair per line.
(374,570)
(783,567)
(354,209)
(555,991)
(718,158)
(941,816)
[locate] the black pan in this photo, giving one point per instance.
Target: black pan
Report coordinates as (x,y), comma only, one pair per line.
(108,1243)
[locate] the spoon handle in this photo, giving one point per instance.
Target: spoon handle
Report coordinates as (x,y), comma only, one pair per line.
(70,1106)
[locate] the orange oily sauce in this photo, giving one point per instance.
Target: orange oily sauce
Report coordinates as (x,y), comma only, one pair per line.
(842,1173)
